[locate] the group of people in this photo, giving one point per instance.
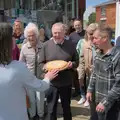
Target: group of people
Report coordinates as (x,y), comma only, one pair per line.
(93,69)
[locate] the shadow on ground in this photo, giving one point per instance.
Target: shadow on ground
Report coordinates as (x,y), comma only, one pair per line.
(79,111)
(76,111)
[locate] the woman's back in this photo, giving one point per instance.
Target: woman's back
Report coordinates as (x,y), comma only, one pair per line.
(12,92)
(14,78)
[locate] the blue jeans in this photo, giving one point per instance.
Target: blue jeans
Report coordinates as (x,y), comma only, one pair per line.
(82,91)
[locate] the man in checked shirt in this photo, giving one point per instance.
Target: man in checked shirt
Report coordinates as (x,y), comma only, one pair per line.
(105,79)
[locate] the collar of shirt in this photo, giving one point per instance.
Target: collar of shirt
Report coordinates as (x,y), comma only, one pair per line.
(66,37)
(79,31)
(37,46)
(109,53)
(56,42)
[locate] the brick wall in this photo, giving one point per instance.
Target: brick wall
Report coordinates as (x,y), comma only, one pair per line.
(82,7)
(110,15)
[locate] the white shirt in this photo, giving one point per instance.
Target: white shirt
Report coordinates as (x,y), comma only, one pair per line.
(14,78)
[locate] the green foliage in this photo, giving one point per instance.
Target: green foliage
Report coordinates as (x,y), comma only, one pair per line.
(92,18)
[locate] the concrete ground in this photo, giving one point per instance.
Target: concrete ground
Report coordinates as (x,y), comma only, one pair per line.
(79,112)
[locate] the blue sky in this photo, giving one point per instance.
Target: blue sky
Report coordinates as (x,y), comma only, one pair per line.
(94,2)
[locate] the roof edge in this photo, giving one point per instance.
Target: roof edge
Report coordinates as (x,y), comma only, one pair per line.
(105,3)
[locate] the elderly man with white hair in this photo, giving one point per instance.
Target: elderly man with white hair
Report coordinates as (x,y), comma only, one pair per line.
(57,48)
(30,54)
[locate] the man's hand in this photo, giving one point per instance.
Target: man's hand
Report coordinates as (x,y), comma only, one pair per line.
(51,74)
(100,108)
(70,65)
(89,96)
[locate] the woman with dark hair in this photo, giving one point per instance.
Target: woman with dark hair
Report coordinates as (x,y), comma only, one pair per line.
(14,78)
(42,36)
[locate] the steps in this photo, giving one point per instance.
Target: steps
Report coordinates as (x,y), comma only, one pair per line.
(79,112)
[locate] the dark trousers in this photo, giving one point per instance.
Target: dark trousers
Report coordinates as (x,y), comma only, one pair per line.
(52,100)
(111,114)
(76,83)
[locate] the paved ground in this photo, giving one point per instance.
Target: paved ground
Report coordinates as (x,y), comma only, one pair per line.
(79,112)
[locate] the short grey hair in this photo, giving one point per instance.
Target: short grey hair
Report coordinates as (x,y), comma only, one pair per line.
(59,24)
(31,27)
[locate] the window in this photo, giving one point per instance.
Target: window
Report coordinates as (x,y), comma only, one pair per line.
(103,11)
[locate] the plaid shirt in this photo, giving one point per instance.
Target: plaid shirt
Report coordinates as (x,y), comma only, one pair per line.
(105,79)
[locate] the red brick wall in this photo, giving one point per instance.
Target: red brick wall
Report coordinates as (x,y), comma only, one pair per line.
(82,7)
(98,14)
(110,14)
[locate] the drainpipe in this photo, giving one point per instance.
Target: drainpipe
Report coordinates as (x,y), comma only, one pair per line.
(66,13)
(73,8)
(77,4)
(17,7)
(17,4)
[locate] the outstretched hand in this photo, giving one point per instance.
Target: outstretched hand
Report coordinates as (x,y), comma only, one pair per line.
(51,74)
